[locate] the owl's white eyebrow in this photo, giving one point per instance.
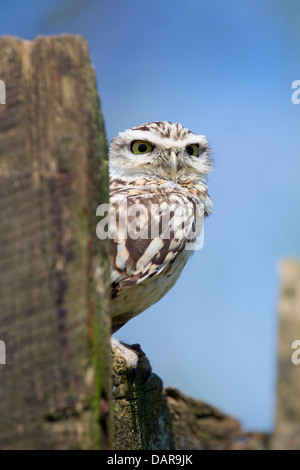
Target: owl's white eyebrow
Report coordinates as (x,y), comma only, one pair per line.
(164,142)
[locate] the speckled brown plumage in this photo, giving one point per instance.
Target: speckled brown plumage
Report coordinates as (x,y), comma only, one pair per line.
(145,265)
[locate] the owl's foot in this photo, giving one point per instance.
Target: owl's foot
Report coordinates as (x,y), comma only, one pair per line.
(138,364)
(143,369)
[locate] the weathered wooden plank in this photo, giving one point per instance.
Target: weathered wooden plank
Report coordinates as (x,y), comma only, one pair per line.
(55,385)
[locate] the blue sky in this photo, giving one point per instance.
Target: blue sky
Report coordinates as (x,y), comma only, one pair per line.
(223,69)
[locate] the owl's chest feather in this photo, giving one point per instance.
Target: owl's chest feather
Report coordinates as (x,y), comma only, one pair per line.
(133,300)
(144,269)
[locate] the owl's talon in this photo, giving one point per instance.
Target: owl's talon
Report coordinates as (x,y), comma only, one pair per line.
(137,348)
(141,368)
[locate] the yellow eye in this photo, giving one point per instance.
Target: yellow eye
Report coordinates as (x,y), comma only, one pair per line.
(140,147)
(193,150)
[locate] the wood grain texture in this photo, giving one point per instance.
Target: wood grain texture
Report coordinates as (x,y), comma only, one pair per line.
(55,386)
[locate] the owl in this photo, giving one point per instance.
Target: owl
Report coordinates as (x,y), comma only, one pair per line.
(158,174)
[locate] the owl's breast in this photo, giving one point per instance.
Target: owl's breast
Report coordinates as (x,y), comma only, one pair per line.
(132,301)
(149,232)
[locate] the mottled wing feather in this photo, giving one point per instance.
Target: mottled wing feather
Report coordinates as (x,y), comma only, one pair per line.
(138,257)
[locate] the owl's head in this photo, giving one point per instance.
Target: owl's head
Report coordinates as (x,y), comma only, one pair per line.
(163,150)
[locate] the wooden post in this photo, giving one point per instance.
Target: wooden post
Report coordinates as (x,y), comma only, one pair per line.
(148,417)
(54,309)
(287,431)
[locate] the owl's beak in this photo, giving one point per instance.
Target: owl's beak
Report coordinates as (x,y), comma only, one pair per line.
(173,165)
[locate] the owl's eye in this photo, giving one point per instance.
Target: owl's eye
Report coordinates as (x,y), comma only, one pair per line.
(193,150)
(140,147)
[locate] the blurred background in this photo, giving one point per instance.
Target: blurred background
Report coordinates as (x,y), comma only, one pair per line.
(223,69)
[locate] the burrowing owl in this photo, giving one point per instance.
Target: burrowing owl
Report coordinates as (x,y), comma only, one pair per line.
(155,169)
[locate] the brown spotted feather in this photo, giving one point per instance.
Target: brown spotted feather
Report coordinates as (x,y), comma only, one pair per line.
(145,267)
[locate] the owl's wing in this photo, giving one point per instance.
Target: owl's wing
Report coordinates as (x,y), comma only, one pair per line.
(156,231)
